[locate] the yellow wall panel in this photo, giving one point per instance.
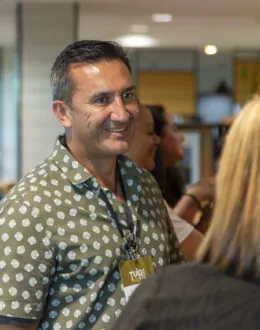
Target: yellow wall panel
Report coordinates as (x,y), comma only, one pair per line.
(174,90)
(247,80)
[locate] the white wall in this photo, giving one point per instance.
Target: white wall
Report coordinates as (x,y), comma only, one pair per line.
(46,30)
(7,23)
(9,129)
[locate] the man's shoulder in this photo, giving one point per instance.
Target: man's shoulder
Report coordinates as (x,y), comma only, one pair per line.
(33,183)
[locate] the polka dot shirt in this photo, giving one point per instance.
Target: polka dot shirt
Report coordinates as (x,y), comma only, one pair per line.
(60,248)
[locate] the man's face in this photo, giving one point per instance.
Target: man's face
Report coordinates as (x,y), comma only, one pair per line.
(103,110)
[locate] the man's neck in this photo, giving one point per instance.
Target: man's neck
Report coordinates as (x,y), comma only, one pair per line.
(102,168)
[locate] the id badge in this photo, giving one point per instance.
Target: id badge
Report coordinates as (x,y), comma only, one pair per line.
(133,272)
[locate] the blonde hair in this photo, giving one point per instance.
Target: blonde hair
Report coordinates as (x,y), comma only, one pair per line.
(233,239)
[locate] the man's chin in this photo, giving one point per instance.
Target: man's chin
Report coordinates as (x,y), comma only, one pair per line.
(119,148)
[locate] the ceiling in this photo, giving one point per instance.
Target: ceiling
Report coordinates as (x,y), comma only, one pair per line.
(195,22)
(198,8)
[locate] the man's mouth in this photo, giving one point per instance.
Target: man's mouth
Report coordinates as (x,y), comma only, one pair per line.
(117,130)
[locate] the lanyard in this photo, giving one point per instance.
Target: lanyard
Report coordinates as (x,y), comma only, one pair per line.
(129,245)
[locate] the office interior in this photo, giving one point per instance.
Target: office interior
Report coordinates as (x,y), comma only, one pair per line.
(199,59)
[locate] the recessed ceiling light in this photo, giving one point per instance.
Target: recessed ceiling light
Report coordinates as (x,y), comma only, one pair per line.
(210,49)
(162,18)
(137,40)
(139,28)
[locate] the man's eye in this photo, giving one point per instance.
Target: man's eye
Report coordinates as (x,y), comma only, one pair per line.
(102,100)
(128,96)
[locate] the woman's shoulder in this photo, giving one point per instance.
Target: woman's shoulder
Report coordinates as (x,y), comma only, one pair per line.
(179,293)
(186,271)
(193,276)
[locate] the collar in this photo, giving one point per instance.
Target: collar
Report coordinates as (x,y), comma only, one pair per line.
(78,174)
(128,169)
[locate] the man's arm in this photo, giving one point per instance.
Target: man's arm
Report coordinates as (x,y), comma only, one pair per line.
(21,265)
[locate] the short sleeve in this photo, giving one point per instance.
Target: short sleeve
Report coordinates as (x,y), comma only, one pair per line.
(26,260)
(182,228)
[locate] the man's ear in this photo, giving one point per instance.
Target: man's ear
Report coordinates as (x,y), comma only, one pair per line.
(61,111)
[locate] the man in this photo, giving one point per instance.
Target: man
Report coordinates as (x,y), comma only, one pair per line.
(142,151)
(70,229)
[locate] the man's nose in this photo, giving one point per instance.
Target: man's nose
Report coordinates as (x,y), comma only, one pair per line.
(119,111)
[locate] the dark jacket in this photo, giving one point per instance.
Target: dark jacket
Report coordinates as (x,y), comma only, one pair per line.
(193,296)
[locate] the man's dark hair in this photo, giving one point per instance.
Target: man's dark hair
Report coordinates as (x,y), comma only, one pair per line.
(81,52)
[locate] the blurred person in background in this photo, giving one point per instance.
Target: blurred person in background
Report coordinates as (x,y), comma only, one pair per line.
(221,289)
(186,203)
(142,151)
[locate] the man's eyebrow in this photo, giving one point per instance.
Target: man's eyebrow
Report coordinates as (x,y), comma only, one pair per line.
(129,88)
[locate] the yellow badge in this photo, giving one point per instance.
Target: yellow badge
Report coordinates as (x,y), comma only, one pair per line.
(133,272)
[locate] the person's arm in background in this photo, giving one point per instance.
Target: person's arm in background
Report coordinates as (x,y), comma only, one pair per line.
(187,206)
(189,238)
(205,219)
(191,243)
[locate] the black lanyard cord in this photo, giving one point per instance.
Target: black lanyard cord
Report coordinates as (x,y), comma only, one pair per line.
(130,246)
(129,218)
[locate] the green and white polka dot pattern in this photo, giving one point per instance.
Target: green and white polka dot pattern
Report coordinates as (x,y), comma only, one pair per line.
(60,250)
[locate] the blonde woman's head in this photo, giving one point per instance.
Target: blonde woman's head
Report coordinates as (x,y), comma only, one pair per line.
(233,239)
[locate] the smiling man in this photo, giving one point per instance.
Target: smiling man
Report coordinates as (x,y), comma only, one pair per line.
(76,229)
